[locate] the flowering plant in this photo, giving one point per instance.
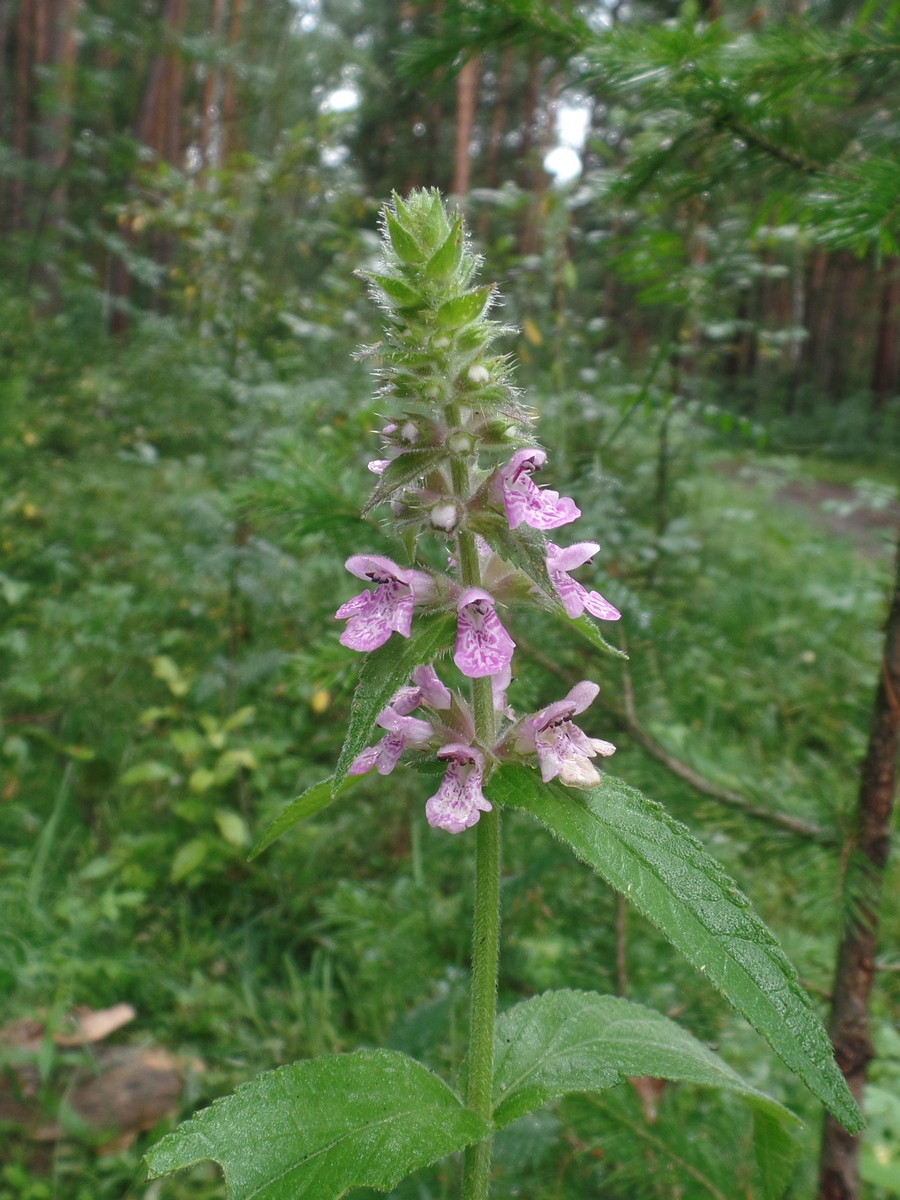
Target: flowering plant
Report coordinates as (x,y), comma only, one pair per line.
(458,477)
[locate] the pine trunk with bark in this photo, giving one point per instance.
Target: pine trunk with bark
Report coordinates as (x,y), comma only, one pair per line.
(886,367)
(467,82)
(855,972)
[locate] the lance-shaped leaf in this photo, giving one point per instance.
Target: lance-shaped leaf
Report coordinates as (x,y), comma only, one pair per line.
(306,805)
(402,470)
(313,1130)
(673,882)
(443,263)
(525,548)
(464,309)
(570,1041)
(384,672)
(405,245)
(590,631)
(395,289)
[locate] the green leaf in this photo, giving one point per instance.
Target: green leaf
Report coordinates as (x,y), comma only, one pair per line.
(776,1150)
(384,672)
(147,772)
(405,245)
(307,804)
(443,263)
(468,307)
(187,859)
(232,826)
(525,548)
(572,1041)
(590,631)
(673,882)
(313,1130)
(410,465)
(396,290)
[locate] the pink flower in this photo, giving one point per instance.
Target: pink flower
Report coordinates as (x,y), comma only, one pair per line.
(483,647)
(402,732)
(378,465)
(523,500)
(562,748)
(434,693)
(459,802)
(499,684)
(576,598)
(374,616)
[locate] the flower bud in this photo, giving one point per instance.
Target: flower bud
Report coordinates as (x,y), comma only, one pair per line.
(460,443)
(445,516)
(478,374)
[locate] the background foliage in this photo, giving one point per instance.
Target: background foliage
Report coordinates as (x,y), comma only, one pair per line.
(709,332)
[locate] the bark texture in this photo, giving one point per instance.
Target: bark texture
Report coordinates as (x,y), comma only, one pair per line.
(855,971)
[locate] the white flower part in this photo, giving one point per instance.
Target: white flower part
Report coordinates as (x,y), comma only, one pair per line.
(478,374)
(410,432)
(445,516)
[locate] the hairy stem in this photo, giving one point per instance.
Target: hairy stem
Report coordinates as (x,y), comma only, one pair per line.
(486,941)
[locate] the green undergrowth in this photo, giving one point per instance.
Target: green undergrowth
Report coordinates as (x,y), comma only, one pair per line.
(171,545)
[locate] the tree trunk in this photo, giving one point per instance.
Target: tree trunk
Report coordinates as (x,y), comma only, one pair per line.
(24,38)
(884,370)
(855,971)
(229,103)
(157,125)
(210,120)
(466,107)
(498,123)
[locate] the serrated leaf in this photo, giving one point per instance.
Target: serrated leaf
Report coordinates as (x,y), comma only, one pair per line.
(307,804)
(668,876)
(443,263)
(384,672)
(405,245)
(410,465)
(464,309)
(572,1041)
(313,1130)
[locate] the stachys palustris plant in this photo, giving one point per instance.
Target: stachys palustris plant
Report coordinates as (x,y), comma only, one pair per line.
(459,462)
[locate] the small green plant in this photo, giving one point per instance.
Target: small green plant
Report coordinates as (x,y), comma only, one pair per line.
(456,481)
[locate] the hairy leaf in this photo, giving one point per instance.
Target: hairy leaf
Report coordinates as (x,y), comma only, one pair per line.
(674,883)
(410,465)
(464,309)
(307,804)
(384,672)
(405,245)
(315,1129)
(572,1041)
(396,290)
(443,263)
(590,630)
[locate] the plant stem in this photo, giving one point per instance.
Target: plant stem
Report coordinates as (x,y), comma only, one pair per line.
(486,940)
